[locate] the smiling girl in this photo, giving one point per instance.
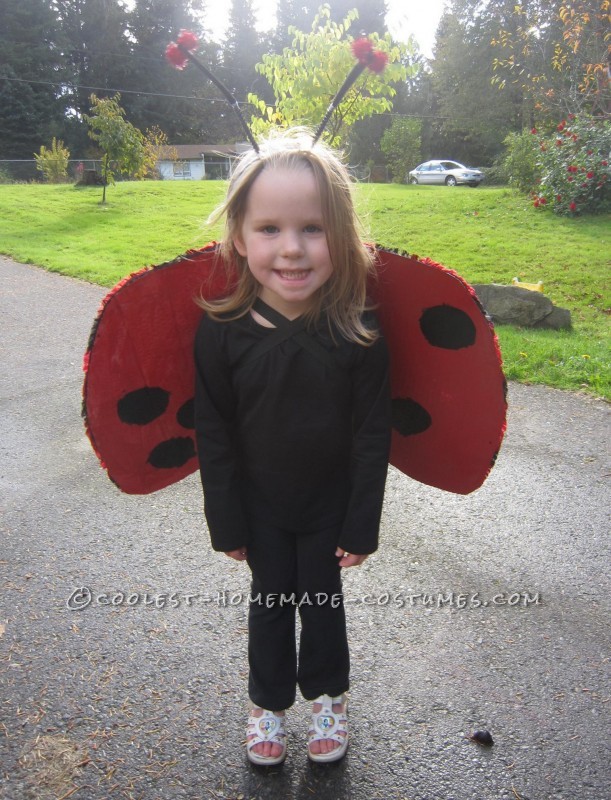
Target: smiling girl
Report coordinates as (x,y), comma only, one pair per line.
(293,427)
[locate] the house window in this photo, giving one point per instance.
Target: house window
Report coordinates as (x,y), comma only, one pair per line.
(182,169)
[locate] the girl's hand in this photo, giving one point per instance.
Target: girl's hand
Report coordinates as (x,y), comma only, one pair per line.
(349,559)
(239,555)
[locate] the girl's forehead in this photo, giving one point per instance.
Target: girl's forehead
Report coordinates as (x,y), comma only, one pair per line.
(288,179)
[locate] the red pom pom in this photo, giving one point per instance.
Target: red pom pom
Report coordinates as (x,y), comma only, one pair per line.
(175,56)
(362,49)
(188,40)
(378,61)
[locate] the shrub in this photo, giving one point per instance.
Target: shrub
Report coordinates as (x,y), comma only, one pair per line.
(53,163)
(496,175)
(401,145)
(5,176)
(574,164)
(519,163)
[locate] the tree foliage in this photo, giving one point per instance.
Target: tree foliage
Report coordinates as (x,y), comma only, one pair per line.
(557,52)
(305,79)
(31,109)
(121,143)
(474,117)
(300,14)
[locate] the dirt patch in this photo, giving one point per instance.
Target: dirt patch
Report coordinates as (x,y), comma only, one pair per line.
(50,764)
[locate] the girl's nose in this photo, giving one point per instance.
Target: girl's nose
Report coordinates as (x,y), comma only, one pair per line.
(291,245)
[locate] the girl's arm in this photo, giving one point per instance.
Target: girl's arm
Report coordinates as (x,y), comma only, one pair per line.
(371,414)
(215,429)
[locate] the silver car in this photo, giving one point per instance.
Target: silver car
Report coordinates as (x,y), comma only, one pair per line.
(449,173)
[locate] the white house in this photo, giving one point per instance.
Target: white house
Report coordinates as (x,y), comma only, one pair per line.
(194,162)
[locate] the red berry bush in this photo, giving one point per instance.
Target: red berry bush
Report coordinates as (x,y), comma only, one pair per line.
(573,164)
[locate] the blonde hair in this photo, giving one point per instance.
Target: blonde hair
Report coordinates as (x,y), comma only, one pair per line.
(343,298)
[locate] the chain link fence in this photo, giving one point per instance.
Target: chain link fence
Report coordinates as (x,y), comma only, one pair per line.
(25,171)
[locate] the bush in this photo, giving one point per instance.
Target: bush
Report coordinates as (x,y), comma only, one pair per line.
(495,175)
(401,145)
(519,163)
(574,164)
(53,163)
(5,176)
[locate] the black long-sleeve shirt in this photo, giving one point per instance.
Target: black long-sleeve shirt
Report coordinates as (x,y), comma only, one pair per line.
(289,436)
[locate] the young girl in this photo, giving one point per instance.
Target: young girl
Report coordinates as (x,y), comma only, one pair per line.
(293,427)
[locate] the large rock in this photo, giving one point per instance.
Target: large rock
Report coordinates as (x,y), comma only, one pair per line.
(512,305)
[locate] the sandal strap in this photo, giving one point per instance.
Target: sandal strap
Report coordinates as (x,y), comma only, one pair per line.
(329,724)
(269,727)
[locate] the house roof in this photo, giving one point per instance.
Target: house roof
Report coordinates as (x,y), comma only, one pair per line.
(198,151)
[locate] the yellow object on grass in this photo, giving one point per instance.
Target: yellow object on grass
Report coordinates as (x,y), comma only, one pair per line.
(533,287)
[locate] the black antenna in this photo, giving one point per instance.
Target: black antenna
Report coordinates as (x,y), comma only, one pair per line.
(376,60)
(185,48)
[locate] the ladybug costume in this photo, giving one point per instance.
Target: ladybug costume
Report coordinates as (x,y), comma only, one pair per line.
(447,386)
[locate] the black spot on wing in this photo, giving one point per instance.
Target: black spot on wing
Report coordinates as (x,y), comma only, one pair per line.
(447,327)
(143,405)
(172,453)
(186,414)
(409,417)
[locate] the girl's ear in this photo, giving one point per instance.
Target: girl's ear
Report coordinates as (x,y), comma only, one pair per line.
(239,245)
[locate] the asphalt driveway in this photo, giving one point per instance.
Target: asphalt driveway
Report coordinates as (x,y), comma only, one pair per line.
(123,639)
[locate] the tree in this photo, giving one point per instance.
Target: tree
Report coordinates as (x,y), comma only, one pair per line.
(156,145)
(401,146)
(474,117)
(300,14)
(96,48)
(304,81)
(292,14)
(31,107)
(186,108)
(121,143)
(242,51)
(371,15)
(557,52)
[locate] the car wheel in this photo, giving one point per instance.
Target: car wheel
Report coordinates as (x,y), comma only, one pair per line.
(413,180)
(450,180)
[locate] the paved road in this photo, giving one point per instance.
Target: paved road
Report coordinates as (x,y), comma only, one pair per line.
(139,701)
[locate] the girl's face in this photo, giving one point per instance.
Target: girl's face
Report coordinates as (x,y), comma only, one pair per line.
(283,237)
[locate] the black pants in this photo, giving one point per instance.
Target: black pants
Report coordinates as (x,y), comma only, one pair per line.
(295,572)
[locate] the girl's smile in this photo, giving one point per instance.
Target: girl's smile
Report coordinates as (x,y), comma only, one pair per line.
(283,237)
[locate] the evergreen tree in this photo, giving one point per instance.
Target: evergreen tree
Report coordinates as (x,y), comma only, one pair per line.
(31,107)
(242,49)
(94,39)
(292,13)
(371,19)
(474,117)
(372,15)
(183,105)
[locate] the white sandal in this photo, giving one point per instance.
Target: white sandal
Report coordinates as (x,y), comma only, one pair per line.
(329,725)
(269,727)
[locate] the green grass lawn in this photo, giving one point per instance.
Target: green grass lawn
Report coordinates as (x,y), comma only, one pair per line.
(486,234)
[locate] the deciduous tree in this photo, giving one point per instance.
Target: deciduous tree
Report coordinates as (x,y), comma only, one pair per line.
(121,143)
(304,80)
(557,52)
